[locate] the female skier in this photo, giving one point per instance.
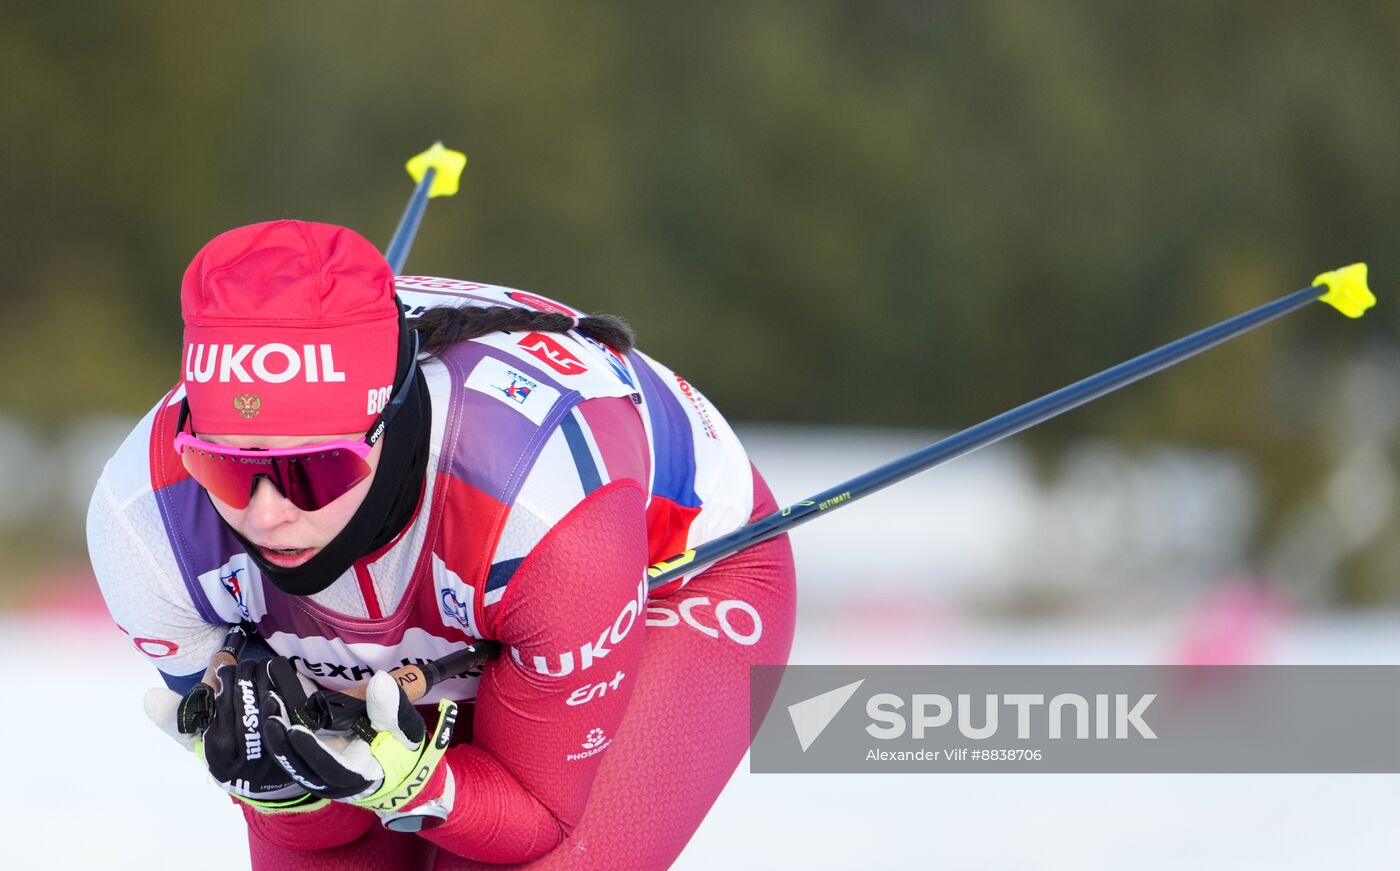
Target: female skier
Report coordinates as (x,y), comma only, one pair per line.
(368,473)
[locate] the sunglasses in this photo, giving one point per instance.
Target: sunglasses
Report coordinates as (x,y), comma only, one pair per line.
(309,476)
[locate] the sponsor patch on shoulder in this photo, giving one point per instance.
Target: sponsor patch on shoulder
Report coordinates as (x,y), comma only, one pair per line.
(504,382)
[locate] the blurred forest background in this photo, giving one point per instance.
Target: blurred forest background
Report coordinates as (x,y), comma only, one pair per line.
(882,214)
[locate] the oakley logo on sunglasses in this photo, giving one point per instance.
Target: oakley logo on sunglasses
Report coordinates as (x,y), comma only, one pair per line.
(273,363)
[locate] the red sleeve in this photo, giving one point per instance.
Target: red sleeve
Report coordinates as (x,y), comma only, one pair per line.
(335,825)
(571,625)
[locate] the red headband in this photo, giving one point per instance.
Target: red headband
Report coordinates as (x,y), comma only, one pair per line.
(291,328)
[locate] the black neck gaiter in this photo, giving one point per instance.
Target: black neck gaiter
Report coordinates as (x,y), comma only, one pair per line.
(388,507)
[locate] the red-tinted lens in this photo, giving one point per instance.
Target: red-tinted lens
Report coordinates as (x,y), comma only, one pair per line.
(310,481)
(223,476)
(314,481)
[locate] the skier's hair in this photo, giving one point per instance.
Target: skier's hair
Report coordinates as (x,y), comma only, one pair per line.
(441,327)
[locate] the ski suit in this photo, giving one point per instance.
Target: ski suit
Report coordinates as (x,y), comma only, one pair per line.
(558,470)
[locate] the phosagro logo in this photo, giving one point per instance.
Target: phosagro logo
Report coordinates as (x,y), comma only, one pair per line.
(594,742)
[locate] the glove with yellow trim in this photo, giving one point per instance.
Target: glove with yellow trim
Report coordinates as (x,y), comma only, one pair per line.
(389,769)
(222,726)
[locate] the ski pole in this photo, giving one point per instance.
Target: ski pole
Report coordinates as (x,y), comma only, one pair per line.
(437,171)
(1344,289)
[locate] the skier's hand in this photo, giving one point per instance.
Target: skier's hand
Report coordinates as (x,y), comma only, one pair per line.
(393,771)
(223,726)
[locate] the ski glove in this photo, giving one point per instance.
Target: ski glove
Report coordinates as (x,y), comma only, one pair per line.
(388,768)
(223,726)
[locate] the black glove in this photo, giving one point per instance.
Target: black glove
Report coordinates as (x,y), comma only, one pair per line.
(227,725)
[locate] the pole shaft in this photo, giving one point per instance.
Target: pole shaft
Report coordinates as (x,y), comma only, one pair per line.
(982,434)
(397,253)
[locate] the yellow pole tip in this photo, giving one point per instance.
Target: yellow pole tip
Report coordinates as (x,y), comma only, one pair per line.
(448,163)
(1347,290)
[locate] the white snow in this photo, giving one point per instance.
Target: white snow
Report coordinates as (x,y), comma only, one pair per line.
(90,783)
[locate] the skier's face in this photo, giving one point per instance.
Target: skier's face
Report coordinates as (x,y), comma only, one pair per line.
(274,523)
